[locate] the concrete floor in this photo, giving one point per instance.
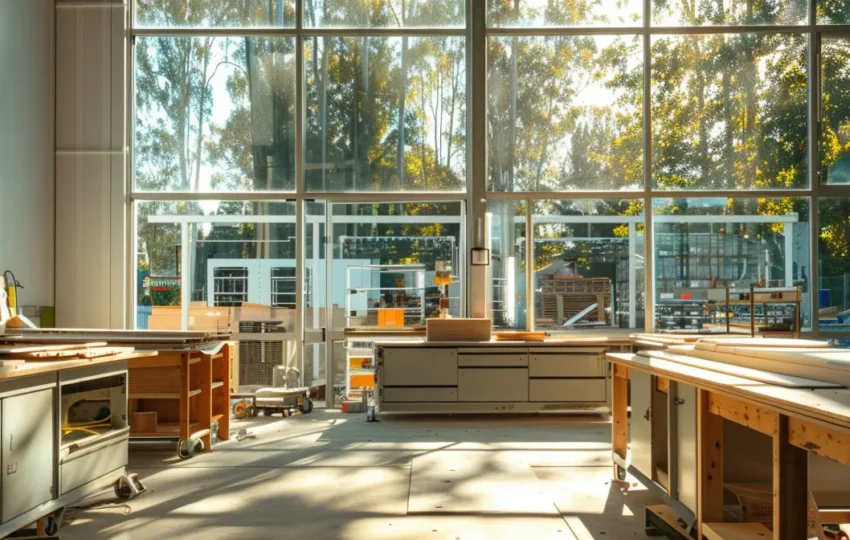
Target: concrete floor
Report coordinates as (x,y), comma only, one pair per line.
(334,476)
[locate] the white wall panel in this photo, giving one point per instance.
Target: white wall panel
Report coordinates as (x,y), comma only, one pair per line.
(26,143)
(91,74)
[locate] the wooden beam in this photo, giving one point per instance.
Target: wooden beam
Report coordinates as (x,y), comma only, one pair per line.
(710,463)
(185,418)
(741,412)
(621,371)
(823,441)
(790,485)
(620,420)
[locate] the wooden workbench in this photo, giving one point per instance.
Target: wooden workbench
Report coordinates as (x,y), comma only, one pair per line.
(800,416)
(565,374)
(184,385)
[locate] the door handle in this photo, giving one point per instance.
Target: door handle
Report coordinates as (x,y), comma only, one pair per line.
(648,414)
(324,334)
(678,401)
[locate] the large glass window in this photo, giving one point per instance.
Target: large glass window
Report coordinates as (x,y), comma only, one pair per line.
(588,264)
(565,113)
(385,114)
(383,13)
(729,111)
(706,246)
(833,12)
(835,111)
(214,114)
(540,13)
(731,12)
(214,13)
(834,265)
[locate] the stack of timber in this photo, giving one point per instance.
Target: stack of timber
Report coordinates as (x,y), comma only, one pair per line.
(24,356)
(564,297)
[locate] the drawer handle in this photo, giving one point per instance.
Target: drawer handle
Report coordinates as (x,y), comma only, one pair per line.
(648,414)
(678,401)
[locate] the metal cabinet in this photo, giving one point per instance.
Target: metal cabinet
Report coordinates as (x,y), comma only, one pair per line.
(640,423)
(683,443)
(27,432)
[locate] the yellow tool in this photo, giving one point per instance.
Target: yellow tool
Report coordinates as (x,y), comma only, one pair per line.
(12,286)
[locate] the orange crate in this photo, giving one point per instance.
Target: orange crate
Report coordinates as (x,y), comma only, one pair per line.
(363,381)
(391,318)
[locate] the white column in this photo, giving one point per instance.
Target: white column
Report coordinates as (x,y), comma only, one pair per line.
(91,164)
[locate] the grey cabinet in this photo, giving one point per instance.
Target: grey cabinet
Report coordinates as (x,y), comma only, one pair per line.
(640,423)
(683,443)
(27,454)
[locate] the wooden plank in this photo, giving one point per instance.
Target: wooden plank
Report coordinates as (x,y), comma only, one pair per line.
(821,440)
(710,463)
(737,531)
(201,377)
(184,403)
(620,420)
(164,395)
(621,371)
(741,412)
(662,384)
(831,405)
(26,349)
(790,478)
(766,377)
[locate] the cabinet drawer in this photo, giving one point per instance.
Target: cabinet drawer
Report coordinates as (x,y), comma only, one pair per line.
(414,395)
(492,360)
(498,385)
(580,390)
(565,365)
(420,367)
(77,471)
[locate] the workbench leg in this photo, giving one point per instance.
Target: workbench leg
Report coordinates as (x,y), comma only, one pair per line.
(790,485)
(201,376)
(709,463)
(221,396)
(619,418)
(185,417)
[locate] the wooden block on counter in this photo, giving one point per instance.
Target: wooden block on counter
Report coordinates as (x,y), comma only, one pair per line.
(458,329)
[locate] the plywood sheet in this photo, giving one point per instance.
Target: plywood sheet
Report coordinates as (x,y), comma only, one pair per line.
(767,377)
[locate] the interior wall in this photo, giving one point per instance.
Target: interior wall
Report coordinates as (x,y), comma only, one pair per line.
(26,146)
(91,153)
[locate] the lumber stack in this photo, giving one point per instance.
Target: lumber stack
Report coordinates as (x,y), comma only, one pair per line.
(16,356)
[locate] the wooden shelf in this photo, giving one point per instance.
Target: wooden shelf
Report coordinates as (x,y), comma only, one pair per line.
(736,531)
(163,395)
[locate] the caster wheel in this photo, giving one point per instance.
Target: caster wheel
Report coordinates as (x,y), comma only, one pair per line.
(240,409)
(122,491)
(187,449)
(307,406)
(621,473)
(286,413)
(51,526)
(268,412)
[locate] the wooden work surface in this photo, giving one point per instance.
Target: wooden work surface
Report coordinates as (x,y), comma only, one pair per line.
(37,368)
(139,339)
(827,405)
(548,342)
